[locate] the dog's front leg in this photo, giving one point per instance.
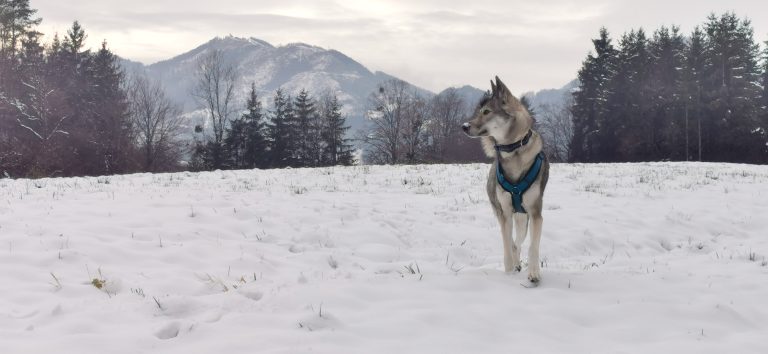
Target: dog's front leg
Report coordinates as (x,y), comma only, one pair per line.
(521,230)
(534,268)
(506,239)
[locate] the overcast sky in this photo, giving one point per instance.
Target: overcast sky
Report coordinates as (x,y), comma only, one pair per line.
(432,43)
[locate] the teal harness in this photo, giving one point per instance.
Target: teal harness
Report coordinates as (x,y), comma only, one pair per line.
(517,189)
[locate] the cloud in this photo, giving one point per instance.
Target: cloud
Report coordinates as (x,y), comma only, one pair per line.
(432,43)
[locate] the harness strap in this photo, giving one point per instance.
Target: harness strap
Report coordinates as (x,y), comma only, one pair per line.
(517,189)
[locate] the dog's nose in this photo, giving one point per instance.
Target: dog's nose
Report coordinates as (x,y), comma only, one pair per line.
(465,127)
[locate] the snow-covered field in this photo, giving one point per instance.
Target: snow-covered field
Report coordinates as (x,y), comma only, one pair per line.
(637,258)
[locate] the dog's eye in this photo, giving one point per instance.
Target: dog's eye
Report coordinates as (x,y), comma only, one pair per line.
(486,111)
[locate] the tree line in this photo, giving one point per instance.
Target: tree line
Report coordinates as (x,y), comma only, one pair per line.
(63,110)
(671,96)
(301,131)
(68,111)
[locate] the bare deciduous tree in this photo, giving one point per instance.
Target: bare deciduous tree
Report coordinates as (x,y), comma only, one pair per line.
(215,91)
(448,112)
(157,121)
(386,114)
(555,124)
(414,133)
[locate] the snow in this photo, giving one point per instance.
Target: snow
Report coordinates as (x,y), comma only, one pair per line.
(637,258)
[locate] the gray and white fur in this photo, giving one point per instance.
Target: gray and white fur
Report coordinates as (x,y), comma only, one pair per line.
(501,119)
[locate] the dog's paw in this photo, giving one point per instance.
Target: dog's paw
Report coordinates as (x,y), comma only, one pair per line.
(534,277)
(518,268)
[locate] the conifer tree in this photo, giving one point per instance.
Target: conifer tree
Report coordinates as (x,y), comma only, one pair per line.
(732,87)
(279,131)
(338,150)
(17,18)
(675,98)
(235,144)
(693,77)
(255,150)
(763,130)
(667,92)
(304,129)
(245,142)
(624,131)
(591,97)
(109,120)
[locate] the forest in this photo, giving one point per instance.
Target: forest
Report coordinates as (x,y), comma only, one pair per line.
(67,110)
(668,96)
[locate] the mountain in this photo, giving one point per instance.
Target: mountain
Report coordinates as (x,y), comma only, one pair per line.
(293,67)
(554,97)
(470,94)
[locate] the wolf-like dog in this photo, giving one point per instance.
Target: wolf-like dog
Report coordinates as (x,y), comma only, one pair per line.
(506,129)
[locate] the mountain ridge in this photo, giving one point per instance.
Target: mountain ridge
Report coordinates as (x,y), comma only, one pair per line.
(292,67)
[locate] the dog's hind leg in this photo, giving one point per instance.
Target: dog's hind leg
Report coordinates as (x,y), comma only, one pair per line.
(534,267)
(521,230)
(506,238)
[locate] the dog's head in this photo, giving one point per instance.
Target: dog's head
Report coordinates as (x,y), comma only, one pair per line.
(498,115)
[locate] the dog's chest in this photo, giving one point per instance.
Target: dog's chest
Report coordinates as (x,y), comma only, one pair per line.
(514,170)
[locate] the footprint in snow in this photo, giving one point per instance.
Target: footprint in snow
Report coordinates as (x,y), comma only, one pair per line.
(170,330)
(253,295)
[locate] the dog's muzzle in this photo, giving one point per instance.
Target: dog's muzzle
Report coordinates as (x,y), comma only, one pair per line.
(465,127)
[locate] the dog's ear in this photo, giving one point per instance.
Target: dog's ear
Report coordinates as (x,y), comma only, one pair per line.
(503,93)
(501,90)
(493,88)
(506,97)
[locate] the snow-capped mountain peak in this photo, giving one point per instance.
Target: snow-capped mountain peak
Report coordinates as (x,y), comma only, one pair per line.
(292,66)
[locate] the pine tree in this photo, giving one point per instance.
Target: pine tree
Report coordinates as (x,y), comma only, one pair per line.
(591,97)
(109,121)
(304,117)
(235,144)
(338,150)
(763,130)
(674,98)
(625,133)
(255,148)
(732,89)
(74,78)
(75,40)
(693,77)
(280,131)
(16,20)
(245,143)
(667,94)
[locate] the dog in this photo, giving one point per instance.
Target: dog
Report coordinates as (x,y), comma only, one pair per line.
(518,175)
